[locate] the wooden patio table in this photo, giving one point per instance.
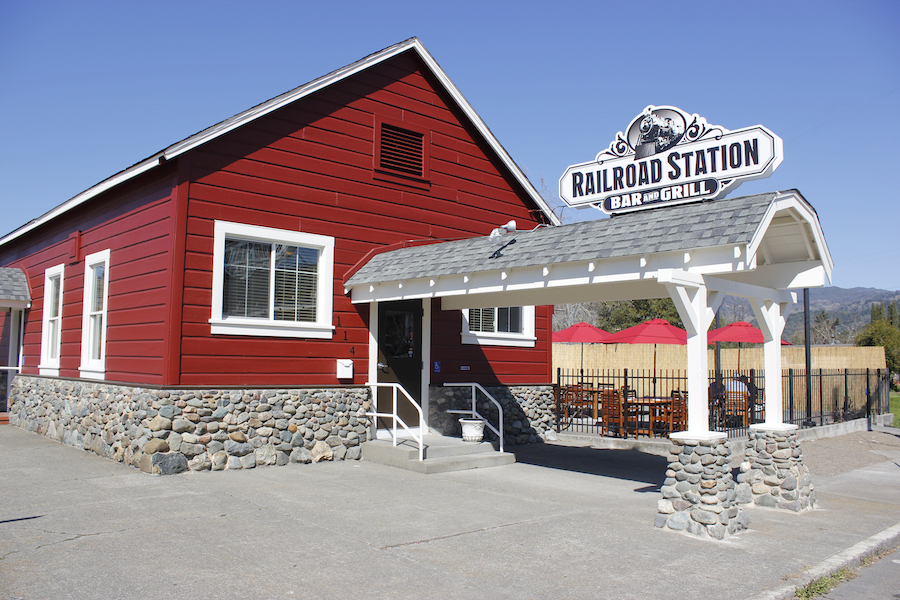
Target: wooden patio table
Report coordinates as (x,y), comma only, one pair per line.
(651,406)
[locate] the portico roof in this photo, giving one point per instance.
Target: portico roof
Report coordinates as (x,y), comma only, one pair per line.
(14,292)
(772,240)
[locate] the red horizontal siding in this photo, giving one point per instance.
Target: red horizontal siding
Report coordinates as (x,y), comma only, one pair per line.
(308,166)
(134,223)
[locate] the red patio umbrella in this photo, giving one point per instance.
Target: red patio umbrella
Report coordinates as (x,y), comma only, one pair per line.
(581,333)
(655,331)
(740,332)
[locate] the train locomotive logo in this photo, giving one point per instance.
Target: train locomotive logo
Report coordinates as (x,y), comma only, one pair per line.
(667,156)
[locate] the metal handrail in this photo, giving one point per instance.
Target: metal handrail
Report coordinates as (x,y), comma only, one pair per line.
(475,413)
(396,418)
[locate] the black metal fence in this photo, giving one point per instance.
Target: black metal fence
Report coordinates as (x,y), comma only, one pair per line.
(834,395)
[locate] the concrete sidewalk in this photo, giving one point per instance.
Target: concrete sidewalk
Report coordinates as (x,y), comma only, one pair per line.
(563,522)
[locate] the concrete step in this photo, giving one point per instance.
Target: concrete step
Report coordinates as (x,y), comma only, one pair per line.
(442,454)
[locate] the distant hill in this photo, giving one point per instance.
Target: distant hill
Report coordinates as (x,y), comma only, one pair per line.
(851,306)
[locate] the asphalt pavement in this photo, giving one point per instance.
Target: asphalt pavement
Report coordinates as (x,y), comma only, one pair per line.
(877,581)
(566,521)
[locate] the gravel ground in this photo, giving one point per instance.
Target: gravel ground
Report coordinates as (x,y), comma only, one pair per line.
(835,455)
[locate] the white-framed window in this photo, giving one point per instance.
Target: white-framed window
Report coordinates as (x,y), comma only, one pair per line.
(51,326)
(93,322)
(271,282)
(503,326)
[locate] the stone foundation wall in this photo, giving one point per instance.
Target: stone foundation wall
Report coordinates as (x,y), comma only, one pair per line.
(773,474)
(528,411)
(699,495)
(171,430)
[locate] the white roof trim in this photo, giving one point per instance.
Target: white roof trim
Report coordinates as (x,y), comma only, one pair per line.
(279,101)
(784,201)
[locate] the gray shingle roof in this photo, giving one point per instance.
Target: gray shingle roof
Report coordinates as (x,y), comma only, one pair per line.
(13,285)
(687,226)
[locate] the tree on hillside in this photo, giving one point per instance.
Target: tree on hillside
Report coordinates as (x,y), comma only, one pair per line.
(824,329)
(566,315)
(882,333)
(737,309)
(877,311)
(893,316)
(615,316)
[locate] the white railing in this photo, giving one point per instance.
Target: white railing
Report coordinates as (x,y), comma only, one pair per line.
(395,418)
(474,413)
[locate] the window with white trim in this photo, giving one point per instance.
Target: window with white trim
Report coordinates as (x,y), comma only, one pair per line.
(271,282)
(502,326)
(51,326)
(93,322)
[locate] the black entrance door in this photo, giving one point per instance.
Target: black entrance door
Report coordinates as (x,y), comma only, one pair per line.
(400,357)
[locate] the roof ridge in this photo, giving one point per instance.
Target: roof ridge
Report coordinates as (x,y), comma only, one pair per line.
(182,146)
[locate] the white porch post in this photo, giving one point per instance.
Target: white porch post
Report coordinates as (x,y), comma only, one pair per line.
(771,317)
(696,307)
(771,471)
(699,491)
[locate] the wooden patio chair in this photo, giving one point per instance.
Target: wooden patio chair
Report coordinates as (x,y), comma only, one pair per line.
(612,413)
(737,407)
(661,417)
(679,410)
(576,401)
(631,414)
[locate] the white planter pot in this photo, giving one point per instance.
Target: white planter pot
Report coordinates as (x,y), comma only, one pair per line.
(472,429)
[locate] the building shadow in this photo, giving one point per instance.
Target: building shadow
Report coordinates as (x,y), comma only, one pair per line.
(627,465)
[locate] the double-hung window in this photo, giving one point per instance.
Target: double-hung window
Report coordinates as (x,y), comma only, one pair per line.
(502,326)
(93,323)
(51,327)
(271,282)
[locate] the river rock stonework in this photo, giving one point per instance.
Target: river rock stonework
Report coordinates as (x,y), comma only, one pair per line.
(528,411)
(773,474)
(699,490)
(173,430)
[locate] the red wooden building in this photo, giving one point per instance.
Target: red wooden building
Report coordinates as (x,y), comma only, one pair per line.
(220,260)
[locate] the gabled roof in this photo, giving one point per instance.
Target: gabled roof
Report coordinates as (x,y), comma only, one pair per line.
(14,292)
(187,144)
(722,238)
(703,224)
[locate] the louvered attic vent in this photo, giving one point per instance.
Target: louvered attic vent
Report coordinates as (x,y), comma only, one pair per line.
(402,151)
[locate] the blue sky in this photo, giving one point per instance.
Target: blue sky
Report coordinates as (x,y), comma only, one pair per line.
(89,88)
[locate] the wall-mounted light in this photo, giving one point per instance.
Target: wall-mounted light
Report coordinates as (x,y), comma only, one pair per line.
(496,234)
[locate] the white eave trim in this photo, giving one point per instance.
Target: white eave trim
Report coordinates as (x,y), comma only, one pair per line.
(483,129)
(107,184)
(563,276)
(269,106)
(791,200)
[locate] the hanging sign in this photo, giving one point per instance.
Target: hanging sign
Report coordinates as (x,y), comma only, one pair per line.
(666,157)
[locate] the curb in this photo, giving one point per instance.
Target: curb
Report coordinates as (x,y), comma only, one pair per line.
(850,558)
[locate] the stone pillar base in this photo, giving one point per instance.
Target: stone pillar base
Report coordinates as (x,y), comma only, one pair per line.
(699,491)
(773,474)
